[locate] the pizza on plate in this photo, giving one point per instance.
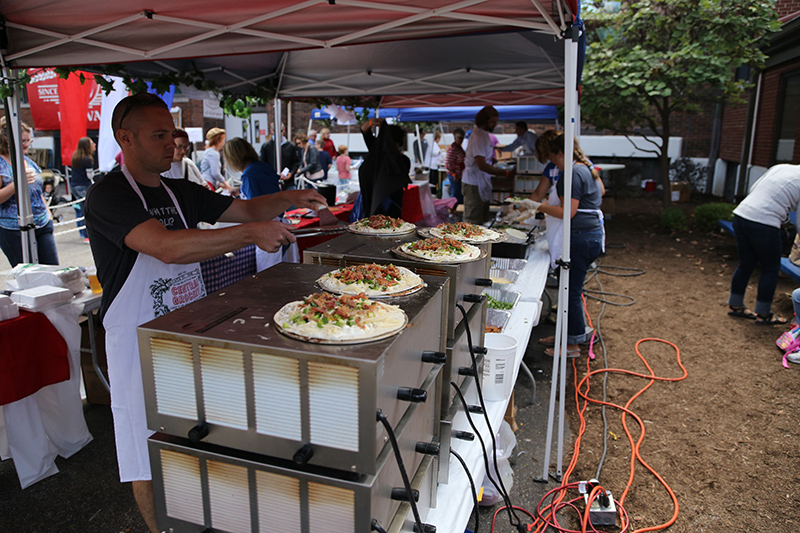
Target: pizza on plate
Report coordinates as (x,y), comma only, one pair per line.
(443,250)
(381,225)
(464,231)
(373,280)
(327,318)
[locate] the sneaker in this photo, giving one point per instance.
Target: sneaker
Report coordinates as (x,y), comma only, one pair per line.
(86,240)
(793,357)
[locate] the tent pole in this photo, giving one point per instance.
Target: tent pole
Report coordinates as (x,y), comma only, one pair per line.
(276,134)
(559,378)
(24,210)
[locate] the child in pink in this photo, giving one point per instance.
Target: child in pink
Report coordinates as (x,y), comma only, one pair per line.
(343,164)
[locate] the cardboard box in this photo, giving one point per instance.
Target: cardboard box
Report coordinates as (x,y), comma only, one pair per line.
(681,191)
(95,390)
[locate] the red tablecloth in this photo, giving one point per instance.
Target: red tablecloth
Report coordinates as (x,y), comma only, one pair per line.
(412,206)
(32,355)
(342,212)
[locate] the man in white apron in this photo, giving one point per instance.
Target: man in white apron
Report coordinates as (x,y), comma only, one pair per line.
(147,251)
(477,177)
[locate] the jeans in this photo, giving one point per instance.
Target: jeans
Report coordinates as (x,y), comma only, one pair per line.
(11,244)
(78,193)
(756,243)
(585,248)
(796,302)
(455,189)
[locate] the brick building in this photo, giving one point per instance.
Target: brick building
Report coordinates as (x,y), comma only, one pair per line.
(762,132)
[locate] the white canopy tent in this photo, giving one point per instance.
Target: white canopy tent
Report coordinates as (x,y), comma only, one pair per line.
(406,52)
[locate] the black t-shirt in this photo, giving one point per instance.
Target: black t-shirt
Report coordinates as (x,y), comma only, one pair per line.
(113,209)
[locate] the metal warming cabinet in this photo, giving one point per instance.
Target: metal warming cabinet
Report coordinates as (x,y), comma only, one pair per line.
(216,371)
(467,280)
(205,487)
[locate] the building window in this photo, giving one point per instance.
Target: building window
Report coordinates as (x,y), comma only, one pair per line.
(788,111)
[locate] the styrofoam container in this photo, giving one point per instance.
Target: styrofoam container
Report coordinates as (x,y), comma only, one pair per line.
(40,298)
(498,366)
(8,309)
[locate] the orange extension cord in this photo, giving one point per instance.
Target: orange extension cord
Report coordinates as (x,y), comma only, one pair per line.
(547,515)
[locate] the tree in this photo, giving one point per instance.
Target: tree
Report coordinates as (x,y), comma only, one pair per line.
(657,57)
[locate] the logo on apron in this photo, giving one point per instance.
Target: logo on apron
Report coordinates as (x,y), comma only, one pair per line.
(172,293)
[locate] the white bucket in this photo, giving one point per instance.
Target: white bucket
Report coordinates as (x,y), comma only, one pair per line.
(498,366)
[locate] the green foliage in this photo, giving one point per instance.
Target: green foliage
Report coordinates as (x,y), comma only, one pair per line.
(657,57)
(673,219)
(706,215)
(9,85)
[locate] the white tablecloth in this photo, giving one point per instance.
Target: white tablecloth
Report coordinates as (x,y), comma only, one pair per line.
(49,422)
(454,500)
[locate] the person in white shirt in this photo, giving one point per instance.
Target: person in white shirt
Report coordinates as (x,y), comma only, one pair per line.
(433,158)
(757,223)
(477,176)
(182,167)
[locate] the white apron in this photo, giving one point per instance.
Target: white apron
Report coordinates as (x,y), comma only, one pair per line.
(599,214)
(152,289)
(553,228)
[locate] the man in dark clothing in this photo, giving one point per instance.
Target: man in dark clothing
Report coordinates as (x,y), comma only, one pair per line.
(289,158)
(385,172)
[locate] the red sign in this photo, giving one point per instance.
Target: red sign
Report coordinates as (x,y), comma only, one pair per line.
(44,100)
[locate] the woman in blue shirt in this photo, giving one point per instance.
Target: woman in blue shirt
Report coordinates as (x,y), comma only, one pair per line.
(258,177)
(10,235)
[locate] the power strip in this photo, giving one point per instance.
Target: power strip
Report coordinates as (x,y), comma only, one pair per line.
(600,515)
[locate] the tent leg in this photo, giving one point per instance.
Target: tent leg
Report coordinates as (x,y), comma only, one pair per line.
(24,210)
(276,134)
(560,359)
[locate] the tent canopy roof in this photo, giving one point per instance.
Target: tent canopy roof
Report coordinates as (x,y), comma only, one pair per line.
(543,113)
(421,51)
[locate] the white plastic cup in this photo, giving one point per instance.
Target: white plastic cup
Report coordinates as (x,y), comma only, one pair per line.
(498,366)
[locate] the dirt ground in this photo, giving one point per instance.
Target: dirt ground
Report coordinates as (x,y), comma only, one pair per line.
(723,438)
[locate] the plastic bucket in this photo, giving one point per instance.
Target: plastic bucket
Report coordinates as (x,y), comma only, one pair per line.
(498,366)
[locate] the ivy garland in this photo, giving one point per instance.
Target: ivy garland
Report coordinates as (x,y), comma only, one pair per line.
(238,105)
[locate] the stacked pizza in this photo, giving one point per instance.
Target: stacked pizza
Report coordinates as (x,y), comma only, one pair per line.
(441,250)
(344,319)
(376,281)
(464,231)
(381,225)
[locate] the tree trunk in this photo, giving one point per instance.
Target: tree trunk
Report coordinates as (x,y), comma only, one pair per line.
(663,159)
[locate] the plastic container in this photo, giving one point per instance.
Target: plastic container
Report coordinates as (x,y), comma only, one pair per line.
(498,366)
(506,441)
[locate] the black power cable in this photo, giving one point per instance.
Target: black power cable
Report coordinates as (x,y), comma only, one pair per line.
(512,515)
(472,486)
(500,489)
(406,483)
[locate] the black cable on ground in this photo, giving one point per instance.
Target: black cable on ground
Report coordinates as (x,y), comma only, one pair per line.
(472,486)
